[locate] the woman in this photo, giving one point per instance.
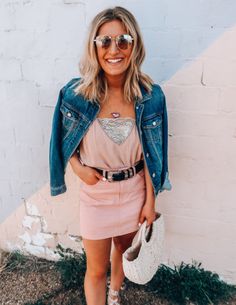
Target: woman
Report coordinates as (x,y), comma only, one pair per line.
(114,134)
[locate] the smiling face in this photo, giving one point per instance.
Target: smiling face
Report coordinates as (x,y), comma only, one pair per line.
(113,60)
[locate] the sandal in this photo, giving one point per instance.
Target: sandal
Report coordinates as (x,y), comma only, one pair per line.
(110,297)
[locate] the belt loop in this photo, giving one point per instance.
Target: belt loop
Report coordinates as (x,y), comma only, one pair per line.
(110,176)
(134,169)
(131,172)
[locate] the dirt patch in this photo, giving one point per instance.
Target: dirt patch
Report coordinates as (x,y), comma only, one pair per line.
(28,287)
(36,279)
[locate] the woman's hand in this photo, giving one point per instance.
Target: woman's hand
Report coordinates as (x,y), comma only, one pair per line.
(148,213)
(88,174)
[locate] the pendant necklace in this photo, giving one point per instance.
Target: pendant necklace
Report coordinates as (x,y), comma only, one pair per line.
(115,114)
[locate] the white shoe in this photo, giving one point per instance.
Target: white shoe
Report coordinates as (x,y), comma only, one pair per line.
(110,297)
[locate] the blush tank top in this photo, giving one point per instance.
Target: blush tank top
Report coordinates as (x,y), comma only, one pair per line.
(111,144)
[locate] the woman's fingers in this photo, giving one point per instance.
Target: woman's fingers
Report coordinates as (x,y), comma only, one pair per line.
(99,176)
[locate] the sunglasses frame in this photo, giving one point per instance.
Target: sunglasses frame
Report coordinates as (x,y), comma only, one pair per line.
(98,39)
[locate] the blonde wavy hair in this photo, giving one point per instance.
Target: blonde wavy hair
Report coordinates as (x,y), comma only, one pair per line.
(93,85)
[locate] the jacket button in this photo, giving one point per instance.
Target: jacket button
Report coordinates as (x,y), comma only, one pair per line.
(153,175)
(136,107)
(68,114)
(147,154)
(154,123)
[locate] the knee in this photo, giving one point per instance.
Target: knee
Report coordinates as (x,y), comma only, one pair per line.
(97,272)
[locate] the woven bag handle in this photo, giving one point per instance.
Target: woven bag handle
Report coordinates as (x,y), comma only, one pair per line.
(141,232)
(143,228)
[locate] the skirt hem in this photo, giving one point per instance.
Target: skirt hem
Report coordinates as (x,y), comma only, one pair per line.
(133,229)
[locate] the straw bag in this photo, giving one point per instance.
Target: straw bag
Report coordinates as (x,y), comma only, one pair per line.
(142,259)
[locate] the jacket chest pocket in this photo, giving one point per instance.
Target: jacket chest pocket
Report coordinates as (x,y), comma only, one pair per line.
(152,127)
(70,119)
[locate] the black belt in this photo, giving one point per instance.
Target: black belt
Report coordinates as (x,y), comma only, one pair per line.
(121,174)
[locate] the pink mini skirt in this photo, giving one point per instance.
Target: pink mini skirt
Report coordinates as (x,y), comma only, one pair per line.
(109,209)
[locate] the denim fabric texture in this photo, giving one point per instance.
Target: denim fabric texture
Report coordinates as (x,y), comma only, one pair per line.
(73,115)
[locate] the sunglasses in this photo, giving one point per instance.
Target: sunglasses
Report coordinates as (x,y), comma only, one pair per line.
(122,41)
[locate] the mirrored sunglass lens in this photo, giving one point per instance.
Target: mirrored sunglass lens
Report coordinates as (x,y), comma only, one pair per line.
(106,41)
(123,42)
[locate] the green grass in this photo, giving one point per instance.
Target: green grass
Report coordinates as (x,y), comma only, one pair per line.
(72,267)
(190,282)
(15,260)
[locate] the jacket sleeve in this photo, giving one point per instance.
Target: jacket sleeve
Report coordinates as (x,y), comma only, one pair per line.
(165,182)
(56,166)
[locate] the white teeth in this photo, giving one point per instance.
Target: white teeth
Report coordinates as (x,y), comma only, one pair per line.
(114,60)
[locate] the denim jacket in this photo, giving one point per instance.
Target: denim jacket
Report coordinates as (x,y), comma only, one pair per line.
(74,114)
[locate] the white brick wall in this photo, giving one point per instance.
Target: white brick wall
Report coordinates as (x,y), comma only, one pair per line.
(190,52)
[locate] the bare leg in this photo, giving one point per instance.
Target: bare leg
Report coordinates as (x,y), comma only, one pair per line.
(98,260)
(117,273)
(121,243)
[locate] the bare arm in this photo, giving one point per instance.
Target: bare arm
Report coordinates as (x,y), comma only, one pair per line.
(150,197)
(148,210)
